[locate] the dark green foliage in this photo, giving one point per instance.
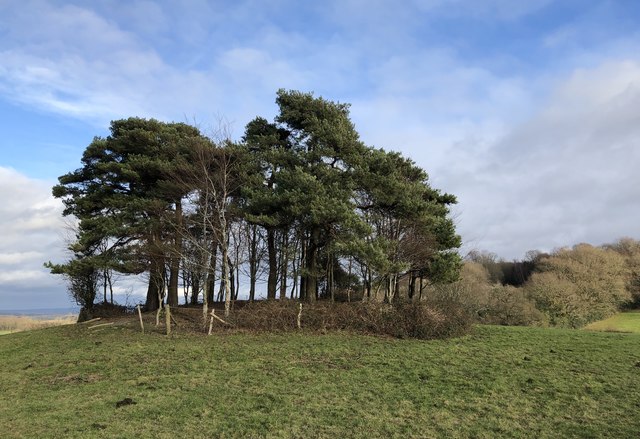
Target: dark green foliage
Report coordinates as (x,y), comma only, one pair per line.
(341,199)
(125,199)
(302,192)
(82,279)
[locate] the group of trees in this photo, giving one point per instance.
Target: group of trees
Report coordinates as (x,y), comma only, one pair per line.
(300,202)
(567,287)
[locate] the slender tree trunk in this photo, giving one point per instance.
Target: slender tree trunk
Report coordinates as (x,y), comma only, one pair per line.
(284,252)
(232,279)
(211,281)
(412,285)
(195,289)
(220,297)
(396,287)
(330,286)
(253,261)
(174,268)
(225,279)
(108,275)
(273,264)
(104,286)
(302,266)
(186,286)
(311,277)
(294,271)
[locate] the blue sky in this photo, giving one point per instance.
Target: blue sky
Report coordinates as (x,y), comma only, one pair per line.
(527,111)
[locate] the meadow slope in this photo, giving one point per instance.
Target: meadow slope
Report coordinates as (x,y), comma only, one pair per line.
(113,381)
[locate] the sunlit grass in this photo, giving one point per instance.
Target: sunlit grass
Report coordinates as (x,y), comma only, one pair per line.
(622,322)
(497,382)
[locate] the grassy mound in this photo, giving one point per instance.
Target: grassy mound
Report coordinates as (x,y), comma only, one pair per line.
(114,381)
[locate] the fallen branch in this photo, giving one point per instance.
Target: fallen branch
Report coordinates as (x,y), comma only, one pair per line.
(89,321)
(101,324)
(214,316)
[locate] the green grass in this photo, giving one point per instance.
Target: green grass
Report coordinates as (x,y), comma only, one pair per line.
(5,332)
(498,382)
(622,322)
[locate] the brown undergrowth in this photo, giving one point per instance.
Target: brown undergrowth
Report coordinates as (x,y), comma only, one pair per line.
(402,320)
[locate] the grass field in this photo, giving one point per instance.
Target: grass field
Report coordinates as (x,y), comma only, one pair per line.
(623,322)
(72,381)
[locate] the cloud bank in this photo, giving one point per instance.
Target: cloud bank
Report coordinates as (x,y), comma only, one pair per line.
(32,233)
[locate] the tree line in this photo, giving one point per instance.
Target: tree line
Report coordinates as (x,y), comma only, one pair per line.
(299,202)
(568,287)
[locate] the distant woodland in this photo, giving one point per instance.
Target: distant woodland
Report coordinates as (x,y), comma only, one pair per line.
(300,209)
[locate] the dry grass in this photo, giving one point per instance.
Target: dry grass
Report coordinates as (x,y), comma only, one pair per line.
(10,323)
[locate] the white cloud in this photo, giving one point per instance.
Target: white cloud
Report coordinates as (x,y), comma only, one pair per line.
(31,224)
(566,175)
(74,62)
(20,257)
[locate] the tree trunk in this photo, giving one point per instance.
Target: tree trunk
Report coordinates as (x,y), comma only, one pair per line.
(273,264)
(195,289)
(284,252)
(311,275)
(174,268)
(154,291)
(412,285)
(330,286)
(226,280)
(253,261)
(104,286)
(211,280)
(108,276)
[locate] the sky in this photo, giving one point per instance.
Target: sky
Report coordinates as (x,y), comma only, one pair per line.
(528,112)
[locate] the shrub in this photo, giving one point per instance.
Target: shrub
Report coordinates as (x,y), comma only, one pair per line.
(511,306)
(470,293)
(477,298)
(580,285)
(415,320)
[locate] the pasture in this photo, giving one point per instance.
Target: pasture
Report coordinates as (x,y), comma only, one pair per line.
(113,381)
